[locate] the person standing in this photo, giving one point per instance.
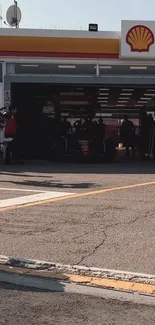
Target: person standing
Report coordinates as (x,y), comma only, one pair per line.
(101,129)
(144,134)
(127,134)
(66,126)
(13,147)
(151,129)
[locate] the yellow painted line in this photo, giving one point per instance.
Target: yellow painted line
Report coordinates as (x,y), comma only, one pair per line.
(111,283)
(79,195)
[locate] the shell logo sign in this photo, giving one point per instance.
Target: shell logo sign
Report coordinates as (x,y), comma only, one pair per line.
(137,40)
(140,38)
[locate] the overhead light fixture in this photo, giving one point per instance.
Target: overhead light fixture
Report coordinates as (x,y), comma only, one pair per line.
(103,105)
(125,89)
(72,94)
(124,98)
(68,102)
(138,105)
(138,68)
(102,97)
(122,101)
(103,94)
(125,94)
(30,65)
(105,67)
(120,105)
(142,101)
(153,90)
(104,89)
(66,66)
(102,101)
(145,98)
(151,95)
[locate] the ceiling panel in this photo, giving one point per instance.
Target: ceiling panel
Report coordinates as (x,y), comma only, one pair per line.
(87,99)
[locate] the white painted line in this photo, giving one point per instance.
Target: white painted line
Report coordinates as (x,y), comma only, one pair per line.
(32,198)
(22,190)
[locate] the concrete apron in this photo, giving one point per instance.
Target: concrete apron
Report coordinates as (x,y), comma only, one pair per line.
(54,277)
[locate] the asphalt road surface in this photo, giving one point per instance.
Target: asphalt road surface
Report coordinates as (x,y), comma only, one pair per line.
(110,230)
(24,306)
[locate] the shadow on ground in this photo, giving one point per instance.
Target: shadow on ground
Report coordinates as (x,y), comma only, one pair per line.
(12,287)
(49,184)
(132,167)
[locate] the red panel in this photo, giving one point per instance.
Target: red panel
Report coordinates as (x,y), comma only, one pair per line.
(59,55)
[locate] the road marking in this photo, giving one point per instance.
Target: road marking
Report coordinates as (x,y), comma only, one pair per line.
(78,195)
(19,201)
(111,283)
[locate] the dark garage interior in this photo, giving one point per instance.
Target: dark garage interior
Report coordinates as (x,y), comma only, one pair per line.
(42,106)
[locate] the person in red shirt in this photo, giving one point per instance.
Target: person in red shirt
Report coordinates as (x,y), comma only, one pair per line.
(10,127)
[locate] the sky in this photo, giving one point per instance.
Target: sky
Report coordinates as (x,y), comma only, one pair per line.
(77,14)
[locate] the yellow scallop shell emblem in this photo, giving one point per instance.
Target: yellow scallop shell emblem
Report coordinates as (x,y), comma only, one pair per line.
(140,38)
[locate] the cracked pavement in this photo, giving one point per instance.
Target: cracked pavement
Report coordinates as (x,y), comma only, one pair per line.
(113,230)
(107,227)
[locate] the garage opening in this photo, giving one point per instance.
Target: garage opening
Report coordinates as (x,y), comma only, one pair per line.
(43,107)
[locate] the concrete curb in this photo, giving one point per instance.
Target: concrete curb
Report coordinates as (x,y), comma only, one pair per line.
(78,270)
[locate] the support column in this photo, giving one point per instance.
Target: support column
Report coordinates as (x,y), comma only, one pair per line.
(97,70)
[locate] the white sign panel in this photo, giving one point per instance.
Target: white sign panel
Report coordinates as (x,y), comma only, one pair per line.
(137,39)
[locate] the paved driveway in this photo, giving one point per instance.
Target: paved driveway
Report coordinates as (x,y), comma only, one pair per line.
(105,229)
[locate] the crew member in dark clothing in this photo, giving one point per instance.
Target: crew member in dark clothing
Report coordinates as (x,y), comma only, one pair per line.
(127,133)
(65,126)
(88,127)
(78,125)
(85,124)
(101,128)
(151,129)
(144,134)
